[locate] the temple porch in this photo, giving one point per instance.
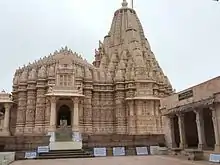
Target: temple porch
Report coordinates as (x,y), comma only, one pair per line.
(64,127)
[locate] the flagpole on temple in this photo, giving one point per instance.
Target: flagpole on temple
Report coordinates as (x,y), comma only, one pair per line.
(132,4)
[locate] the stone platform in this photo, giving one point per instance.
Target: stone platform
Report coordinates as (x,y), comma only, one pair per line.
(128,160)
(65,145)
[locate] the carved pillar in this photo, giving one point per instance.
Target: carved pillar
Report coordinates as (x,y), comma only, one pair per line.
(200,128)
(182,130)
(75,125)
(88,111)
(216,129)
(21,111)
(95,112)
(40,108)
(120,112)
(81,118)
(172,133)
(53,114)
(47,115)
(6,131)
(31,105)
(132,118)
(111,115)
(138,107)
(102,126)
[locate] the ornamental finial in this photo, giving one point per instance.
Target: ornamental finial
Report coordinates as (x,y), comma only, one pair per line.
(124,3)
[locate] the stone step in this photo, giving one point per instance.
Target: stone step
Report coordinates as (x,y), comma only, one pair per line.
(65,157)
(69,145)
(66,154)
(66,151)
(60,154)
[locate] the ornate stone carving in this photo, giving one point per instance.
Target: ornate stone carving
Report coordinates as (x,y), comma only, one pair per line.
(123,66)
(51,71)
(32,74)
(42,73)
(24,76)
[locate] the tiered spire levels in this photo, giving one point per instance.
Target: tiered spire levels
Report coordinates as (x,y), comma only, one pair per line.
(125,51)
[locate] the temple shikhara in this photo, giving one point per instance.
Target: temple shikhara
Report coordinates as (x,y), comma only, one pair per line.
(65,102)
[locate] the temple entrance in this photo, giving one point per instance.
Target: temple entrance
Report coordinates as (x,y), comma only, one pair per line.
(209,129)
(191,131)
(64,116)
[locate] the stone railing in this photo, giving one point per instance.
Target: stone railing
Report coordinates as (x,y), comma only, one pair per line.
(6,158)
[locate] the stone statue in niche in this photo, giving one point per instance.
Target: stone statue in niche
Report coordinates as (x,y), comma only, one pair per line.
(24,75)
(63,123)
(51,71)
(32,74)
(50,89)
(42,72)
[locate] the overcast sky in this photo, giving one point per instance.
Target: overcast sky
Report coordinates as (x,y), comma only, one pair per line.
(184,35)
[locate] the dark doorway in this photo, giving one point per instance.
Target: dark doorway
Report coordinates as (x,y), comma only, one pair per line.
(209,129)
(191,129)
(176,131)
(64,115)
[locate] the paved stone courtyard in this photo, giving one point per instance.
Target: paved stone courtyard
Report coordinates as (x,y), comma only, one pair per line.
(137,160)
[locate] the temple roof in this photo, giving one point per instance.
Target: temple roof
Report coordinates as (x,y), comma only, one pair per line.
(58,55)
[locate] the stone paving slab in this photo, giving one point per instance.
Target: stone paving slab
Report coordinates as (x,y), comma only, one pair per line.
(128,160)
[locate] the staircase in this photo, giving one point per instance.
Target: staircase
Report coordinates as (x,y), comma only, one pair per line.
(63,154)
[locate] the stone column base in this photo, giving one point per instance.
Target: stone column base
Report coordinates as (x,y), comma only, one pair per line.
(201,146)
(5,133)
(19,130)
(39,130)
(28,130)
(52,136)
(52,129)
(217,148)
(183,146)
(76,136)
(172,145)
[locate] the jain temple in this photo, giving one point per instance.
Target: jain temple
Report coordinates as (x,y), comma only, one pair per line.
(122,99)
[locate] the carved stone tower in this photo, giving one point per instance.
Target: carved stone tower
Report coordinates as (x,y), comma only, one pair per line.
(139,82)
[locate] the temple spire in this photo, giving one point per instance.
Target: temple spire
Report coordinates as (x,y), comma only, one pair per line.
(124,3)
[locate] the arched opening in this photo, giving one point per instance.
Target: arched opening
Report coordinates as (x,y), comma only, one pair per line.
(64,116)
